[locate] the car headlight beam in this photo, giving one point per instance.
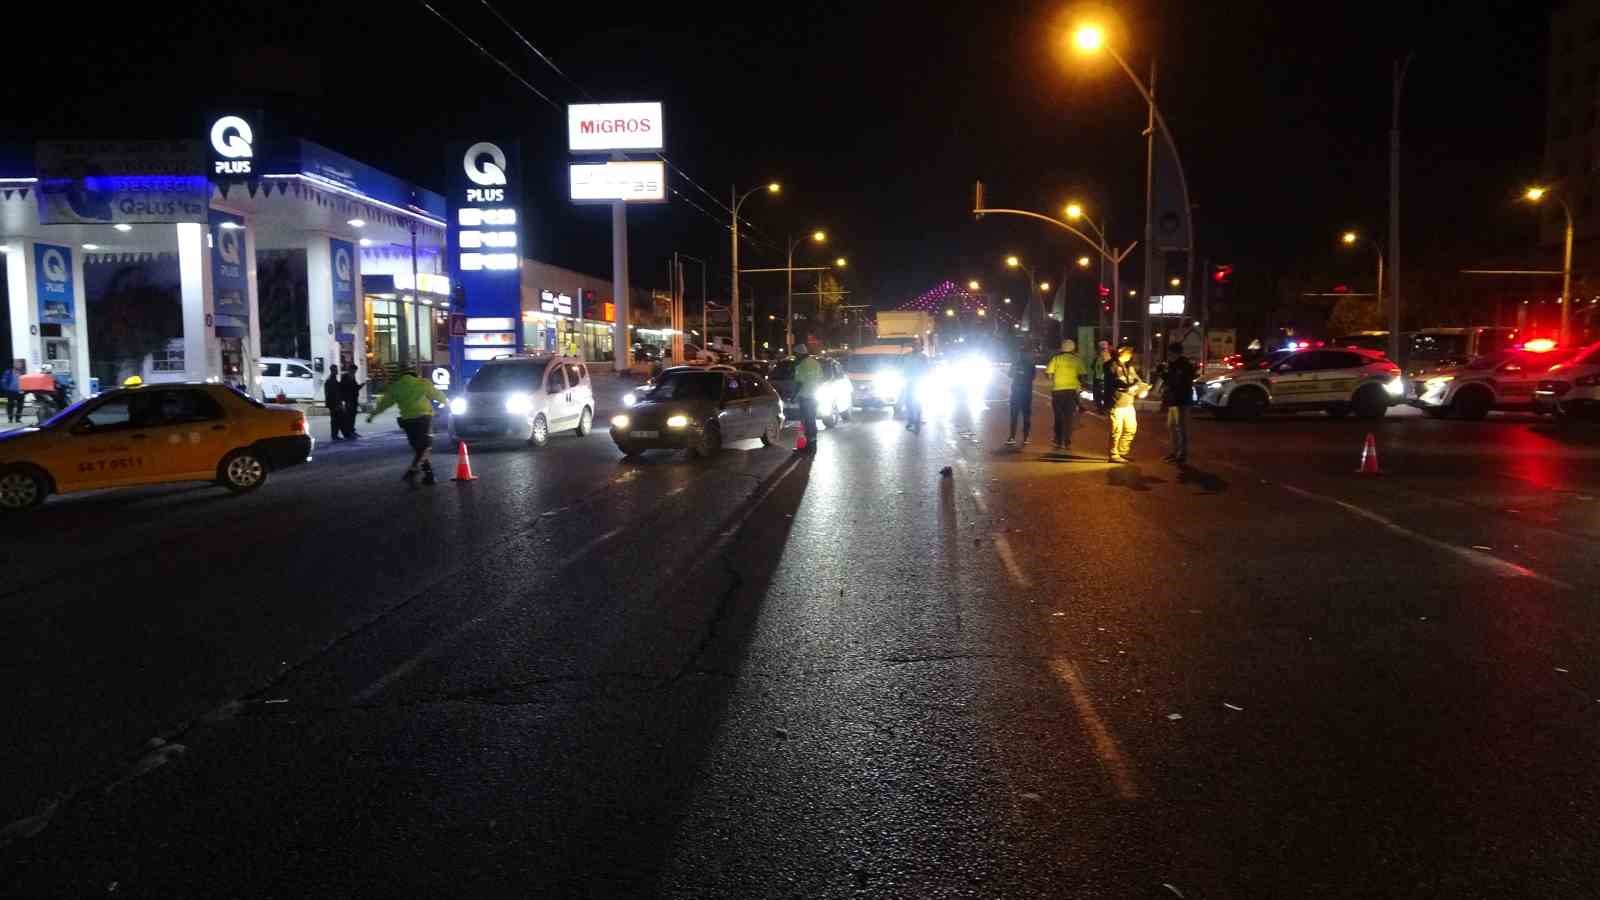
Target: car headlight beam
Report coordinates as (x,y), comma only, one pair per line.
(519,404)
(458,406)
(620,421)
(677,421)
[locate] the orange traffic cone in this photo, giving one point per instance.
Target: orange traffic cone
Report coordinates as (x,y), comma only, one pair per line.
(463,464)
(1369,457)
(799,441)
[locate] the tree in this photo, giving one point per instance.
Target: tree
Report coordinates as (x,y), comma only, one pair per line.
(1352,314)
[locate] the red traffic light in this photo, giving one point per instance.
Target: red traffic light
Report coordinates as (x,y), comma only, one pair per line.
(1105,291)
(1222,274)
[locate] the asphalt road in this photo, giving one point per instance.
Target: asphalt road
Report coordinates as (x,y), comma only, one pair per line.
(1259,675)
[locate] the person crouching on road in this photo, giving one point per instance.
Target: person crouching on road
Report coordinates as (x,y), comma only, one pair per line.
(1067,373)
(415,399)
(807,377)
(1125,386)
(1022,376)
(1177,396)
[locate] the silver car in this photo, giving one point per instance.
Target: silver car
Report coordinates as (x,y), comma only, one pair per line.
(524,398)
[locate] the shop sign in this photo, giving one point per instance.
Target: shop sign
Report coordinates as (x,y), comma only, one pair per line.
(1167,305)
(630,182)
(233,141)
(601,127)
(552,302)
(342,255)
(485,237)
(230,283)
(106,182)
(53,281)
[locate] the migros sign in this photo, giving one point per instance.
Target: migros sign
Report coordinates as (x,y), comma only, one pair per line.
(599,127)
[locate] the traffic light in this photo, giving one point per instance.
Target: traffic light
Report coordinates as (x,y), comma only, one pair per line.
(588,309)
(1222,274)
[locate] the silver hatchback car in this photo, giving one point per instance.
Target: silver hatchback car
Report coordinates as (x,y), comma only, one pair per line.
(524,398)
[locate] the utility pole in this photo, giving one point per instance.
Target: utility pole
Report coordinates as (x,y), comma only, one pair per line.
(1400,68)
(1149,223)
(733,309)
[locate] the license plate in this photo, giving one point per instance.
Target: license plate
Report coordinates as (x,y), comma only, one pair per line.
(644,434)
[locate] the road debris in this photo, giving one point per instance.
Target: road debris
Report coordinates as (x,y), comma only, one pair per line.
(1481,547)
(1173,717)
(1232,707)
(1561,670)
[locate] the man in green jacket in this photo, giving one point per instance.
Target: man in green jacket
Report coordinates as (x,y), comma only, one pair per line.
(807,375)
(415,398)
(1068,373)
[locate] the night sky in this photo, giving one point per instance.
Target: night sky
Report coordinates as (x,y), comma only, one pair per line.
(876,117)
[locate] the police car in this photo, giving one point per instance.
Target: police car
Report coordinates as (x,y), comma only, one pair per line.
(1572,389)
(1504,379)
(1335,381)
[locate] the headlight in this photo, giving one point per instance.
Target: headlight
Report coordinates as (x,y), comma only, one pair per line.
(630,399)
(519,404)
(620,421)
(677,421)
(1395,386)
(458,406)
(890,383)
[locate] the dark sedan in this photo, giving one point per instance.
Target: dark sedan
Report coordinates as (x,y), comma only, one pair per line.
(700,411)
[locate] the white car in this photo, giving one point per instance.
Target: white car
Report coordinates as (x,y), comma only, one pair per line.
(1504,379)
(1571,389)
(290,378)
(1337,382)
(524,398)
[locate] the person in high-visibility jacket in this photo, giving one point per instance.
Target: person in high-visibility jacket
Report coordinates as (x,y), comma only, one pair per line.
(1068,373)
(807,377)
(415,399)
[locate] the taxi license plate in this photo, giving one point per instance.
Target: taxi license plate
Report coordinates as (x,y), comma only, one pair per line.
(644,434)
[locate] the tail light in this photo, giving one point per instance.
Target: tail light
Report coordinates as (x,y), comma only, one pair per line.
(299,426)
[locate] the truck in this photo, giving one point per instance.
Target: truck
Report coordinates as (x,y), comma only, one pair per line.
(906,331)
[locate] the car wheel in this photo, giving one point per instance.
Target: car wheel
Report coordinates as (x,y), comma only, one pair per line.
(1370,403)
(832,418)
(21,489)
(1471,404)
(541,432)
(1338,411)
(710,441)
(585,423)
(769,435)
(242,471)
(1247,403)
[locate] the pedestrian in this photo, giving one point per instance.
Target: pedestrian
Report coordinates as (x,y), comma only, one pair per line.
(11,390)
(1125,386)
(1102,377)
(350,397)
(330,396)
(1102,369)
(1176,378)
(1022,376)
(807,376)
(912,373)
(1067,373)
(415,399)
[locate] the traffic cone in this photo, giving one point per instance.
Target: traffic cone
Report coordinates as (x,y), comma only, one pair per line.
(799,440)
(463,464)
(1369,457)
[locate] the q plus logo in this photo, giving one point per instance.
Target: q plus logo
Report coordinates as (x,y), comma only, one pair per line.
(53,266)
(488,174)
(228,246)
(341,266)
(232,140)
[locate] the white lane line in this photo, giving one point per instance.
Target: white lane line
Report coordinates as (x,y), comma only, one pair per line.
(1476,557)
(982,504)
(1100,738)
(1002,546)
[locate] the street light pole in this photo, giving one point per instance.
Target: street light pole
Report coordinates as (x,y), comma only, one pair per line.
(1566,279)
(1400,68)
(733,308)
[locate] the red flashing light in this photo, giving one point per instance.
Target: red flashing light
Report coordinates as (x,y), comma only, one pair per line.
(1341,289)
(1539,345)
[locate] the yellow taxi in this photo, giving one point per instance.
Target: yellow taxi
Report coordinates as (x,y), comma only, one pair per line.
(151,434)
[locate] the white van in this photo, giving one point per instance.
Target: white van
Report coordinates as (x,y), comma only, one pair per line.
(292,378)
(524,398)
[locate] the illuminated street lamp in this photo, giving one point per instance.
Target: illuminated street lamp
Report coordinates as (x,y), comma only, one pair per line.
(1074,212)
(1350,239)
(1536,194)
(949,313)
(772,187)
(1091,38)
(840,263)
(817,237)
(1044,285)
(973,285)
(1083,262)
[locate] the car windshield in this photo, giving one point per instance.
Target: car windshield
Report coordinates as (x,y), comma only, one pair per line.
(1272,359)
(688,386)
(1438,346)
(861,365)
(528,376)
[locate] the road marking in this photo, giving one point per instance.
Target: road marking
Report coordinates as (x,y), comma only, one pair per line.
(983,505)
(1478,558)
(1002,546)
(1105,746)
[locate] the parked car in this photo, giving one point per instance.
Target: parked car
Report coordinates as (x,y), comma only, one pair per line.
(151,434)
(291,379)
(1504,380)
(1338,382)
(1430,350)
(524,398)
(699,410)
(1571,390)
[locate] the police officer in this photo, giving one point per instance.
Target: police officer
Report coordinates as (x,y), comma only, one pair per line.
(1067,373)
(807,376)
(1022,376)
